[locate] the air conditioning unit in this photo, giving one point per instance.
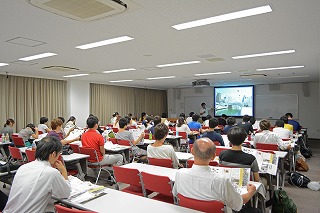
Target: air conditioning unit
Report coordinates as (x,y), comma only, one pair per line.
(81,10)
(200,83)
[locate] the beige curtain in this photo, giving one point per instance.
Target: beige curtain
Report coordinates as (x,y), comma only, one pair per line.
(106,99)
(27,99)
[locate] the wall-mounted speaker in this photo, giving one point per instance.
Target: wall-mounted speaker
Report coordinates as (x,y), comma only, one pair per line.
(306,89)
(274,87)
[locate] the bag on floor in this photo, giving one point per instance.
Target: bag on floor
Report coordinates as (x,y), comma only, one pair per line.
(299,180)
(8,166)
(301,165)
(306,152)
(282,203)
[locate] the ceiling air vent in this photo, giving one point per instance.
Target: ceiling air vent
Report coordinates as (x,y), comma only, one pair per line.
(81,10)
(253,75)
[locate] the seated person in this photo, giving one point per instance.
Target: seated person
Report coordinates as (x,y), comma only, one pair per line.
(206,122)
(266,136)
(182,126)
(295,124)
(56,125)
(92,139)
(195,126)
(223,120)
(134,121)
(231,121)
(114,117)
(156,121)
(8,128)
(189,119)
(211,133)
(281,131)
(148,123)
(43,127)
(246,125)
(235,156)
(199,182)
(35,182)
(158,150)
(29,131)
(124,134)
(286,124)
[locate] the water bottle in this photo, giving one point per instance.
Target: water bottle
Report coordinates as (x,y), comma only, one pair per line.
(3,138)
(33,146)
(150,136)
(177,133)
(7,138)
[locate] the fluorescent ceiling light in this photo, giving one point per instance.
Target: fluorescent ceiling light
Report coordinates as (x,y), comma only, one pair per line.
(165,77)
(224,17)
(3,64)
(77,75)
(264,54)
(104,42)
(213,73)
(120,81)
(43,55)
(178,64)
(121,70)
(294,76)
(280,68)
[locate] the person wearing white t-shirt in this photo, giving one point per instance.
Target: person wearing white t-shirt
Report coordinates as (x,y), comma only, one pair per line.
(203,111)
(43,125)
(281,131)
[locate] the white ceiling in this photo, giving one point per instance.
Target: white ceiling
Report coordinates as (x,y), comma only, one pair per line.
(292,24)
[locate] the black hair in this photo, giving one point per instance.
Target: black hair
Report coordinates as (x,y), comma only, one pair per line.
(195,117)
(156,120)
(164,115)
(10,120)
(43,120)
(191,113)
(264,124)
(180,121)
(231,121)
(123,122)
(208,117)
(213,122)
(246,118)
(224,115)
(72,118)
(284,118)
(203,104)
(279,123)
(148,120)
(289,114)
(142,115)
(47,146)
(182,115)
(236,135)
(92,121)
(31,126)
(91,115)
(252,120)
(160,131)
(62,119)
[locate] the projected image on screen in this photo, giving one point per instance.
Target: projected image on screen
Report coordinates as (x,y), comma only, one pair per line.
(233,101)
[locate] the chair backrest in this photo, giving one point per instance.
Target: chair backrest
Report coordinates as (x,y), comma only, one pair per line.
(172,128)
(286,139)
(31,154)
(113,140)
(132,127)
(93,157)
(217,143)
(124,142)
(156,183)
(127,175)
(164,162)
(205,127)
(110,125)
(146,136)
(267,146)
(14,135)
(183,135)
(40,132)
(115,129)
(211,206)
(211,163)
(220,149)
(15,153)
(62,209)
(18,141)
(75,147)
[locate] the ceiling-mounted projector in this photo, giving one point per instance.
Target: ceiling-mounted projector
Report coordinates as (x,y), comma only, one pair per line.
(200,83)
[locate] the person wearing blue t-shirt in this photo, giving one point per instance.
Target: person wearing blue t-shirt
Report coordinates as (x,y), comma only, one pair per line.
(294,123)
(211,133)
(194,125)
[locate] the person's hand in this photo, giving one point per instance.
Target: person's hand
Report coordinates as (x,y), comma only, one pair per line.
(36,128)
(180,165)
(289,147)
(251,188)
(59,165)
(142,135)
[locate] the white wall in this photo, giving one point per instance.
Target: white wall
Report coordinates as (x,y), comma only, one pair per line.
(308,106)
(78,101)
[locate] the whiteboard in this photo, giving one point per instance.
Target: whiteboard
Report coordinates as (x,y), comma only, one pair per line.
(275,106)
(193,104)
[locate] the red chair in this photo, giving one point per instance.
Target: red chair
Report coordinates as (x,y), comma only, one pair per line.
(93,162)
(267,146)
(40,132)
(217,143)
(31,154)
(16,154)
(211,163)
(113,140)
(73,172)
(205,127)
(132,127)
(75,147)
(14,135)
(110,125)
(128,176)
(172,128)
(164,162)
(211,206)
(286,139)
(160,184)
(62,209)
(146,136)
(220,149)
(124,142)
(115,130)
(18,142)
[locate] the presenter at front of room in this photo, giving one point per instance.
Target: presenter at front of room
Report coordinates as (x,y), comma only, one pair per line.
(203,111)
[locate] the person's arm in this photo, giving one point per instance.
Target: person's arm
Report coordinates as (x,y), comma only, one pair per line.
(65,141)
(220,139)
(256,176)
(102,150)
(36,134)
(59,165)
(134,142)
(60,185)
(251,190)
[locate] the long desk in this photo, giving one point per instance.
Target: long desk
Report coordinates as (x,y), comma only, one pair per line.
(118,149)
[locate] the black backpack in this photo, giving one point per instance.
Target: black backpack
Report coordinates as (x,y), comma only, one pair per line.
(299,180)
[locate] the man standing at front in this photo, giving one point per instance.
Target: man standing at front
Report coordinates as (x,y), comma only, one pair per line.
(203,111)
(35,182)
(200,183)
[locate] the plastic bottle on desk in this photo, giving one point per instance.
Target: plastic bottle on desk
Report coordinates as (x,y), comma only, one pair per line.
(33,146)
(150,136)
(7,137)
(3,138)
(177,133)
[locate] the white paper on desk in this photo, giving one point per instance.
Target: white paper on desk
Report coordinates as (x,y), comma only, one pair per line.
(267,162)
(136,133)
(74,134)
(239,177)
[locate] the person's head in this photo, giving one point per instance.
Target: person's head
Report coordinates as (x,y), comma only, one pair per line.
(252,120)
(203,150)
(32,127)
(224,116)
(182,115)
(129,115)
(48,149)
(143,115)
(284,118)
(134,118)
(73,119)
(149,119)
(62,119)
(289,115)
(160,131)
(264,124)
(279,123)
(123,122)
(246,118)
(208,117)
(43,120)
(180,121)
(164,115)
(195,117)
(9,122)
(128,119)
(213,123)
(56,123)
(231,121)
(91,115)
(156,120)
(92,122)
(203,105)
(191,114)
(236,135)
